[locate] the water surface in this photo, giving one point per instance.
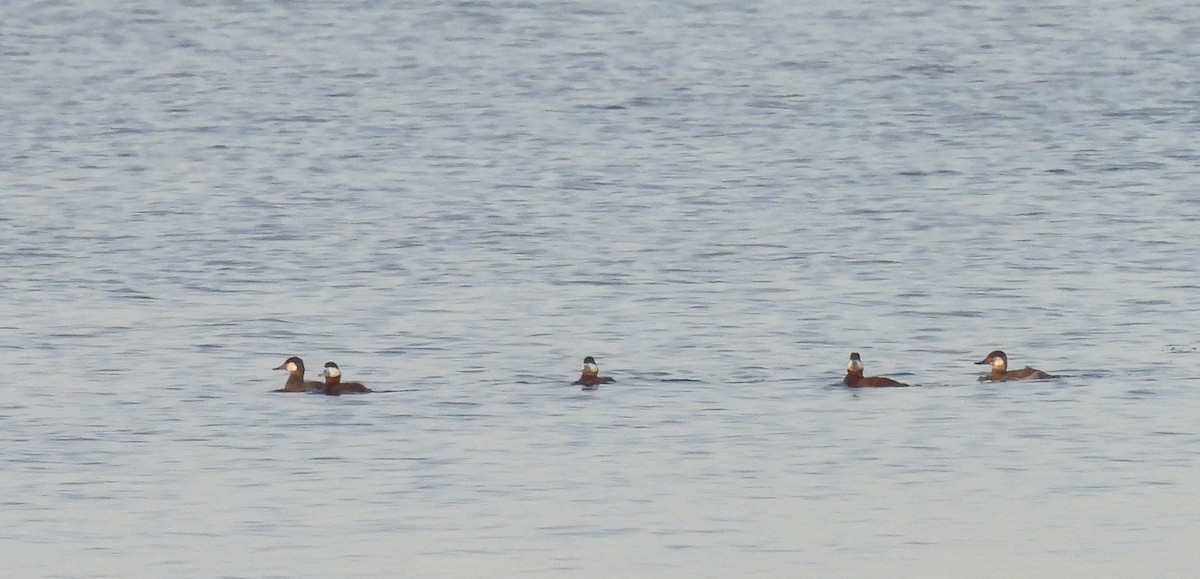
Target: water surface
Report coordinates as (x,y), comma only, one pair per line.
(459,201)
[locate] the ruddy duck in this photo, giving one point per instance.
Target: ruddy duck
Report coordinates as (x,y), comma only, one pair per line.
(590,378)
(1001,373)
(296,381)
(334,385)
(854,375)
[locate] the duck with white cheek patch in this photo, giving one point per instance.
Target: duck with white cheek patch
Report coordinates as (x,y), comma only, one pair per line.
(855,379)
(333,382)
(998,360)
(590,377)
(296,381)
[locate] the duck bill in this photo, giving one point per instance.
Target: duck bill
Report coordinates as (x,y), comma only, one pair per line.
(984,361)
(281,367)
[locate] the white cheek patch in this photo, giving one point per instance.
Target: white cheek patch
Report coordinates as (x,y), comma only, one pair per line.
(591,369)
(332,373)
(998,363)
(855,366)
(291,367)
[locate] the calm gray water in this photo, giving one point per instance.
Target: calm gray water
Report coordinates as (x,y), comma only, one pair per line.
(719,200)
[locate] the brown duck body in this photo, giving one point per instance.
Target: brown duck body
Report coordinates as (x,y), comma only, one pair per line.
(1026,373)
(857,380)
(591,381)
(335,387)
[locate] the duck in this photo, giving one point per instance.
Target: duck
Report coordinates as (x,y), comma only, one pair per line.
(590,377)
(333,382)
(296,381)
(854,376)
(1000,372)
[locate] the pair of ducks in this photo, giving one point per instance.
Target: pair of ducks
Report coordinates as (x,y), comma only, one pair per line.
(998,360)
(333,385)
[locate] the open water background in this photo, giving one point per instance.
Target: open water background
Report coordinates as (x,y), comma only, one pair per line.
(719,200)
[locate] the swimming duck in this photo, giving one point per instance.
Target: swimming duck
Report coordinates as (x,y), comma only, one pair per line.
(296,381)
(333,382)
(1001,373)
(854,375)
(590,378)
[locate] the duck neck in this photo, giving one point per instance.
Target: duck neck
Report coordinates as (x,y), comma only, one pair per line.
(853,376)
(295,382)
(333,385)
